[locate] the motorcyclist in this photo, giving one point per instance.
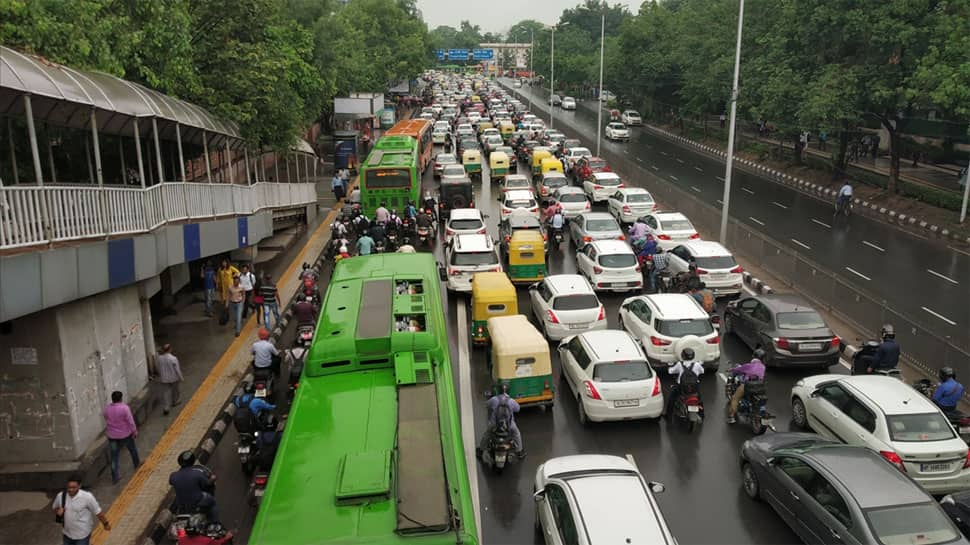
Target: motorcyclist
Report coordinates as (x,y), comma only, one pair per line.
(193,486)
(311,290)
(382,213)
(342,253)
(426,221)
(268,442)
(264,353)
(305,312)
(949,392)
(361,224)
(647,250)
(200,531)
(688,371)
(637,232)
(509,406)
(552,208)
(430,204)
(751,371)
(887,355)
(410,211)
(243,419)
(307,272)
(378,233)
(658,266)
(686,280)
(365,244)
(557,221)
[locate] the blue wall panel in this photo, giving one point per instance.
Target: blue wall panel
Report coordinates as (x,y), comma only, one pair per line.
(192,246)
(121,262)
(243,232)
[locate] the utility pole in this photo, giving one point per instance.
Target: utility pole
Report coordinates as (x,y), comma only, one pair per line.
(532,76)
(726,199)
(552,78)
(599,102)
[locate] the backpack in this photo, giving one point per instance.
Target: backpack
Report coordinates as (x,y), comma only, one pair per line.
(244,420)
(503,417)
(688,377)
(707,301)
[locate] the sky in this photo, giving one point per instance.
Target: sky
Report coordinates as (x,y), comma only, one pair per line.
(499,15)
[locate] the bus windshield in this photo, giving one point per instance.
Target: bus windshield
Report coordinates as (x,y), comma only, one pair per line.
(386,178)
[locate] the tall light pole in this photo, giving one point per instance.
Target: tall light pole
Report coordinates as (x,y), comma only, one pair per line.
(599,102)
(532,76)
(552,78)
(726,199)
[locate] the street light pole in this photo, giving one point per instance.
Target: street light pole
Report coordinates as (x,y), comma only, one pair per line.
(552,78)
(599,102)
(532,76)
(726,199)
(966,194)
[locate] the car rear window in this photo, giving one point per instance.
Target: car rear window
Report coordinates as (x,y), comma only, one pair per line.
(621,371)
(572,197)
(618,260)
(520,203)
(453,170)
(919,427)
(465,224)
(602,225)
(469,259)
(579,301)
(608,181)
(716,262)
(679,328)
(639,198)
(554,181)
(677,225)
(800,320)
(923,523)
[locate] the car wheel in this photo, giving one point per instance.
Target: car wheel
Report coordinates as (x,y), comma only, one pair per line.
(799,416)
(583,419)
(749,480)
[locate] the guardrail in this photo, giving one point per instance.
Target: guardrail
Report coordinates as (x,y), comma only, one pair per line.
(32,216)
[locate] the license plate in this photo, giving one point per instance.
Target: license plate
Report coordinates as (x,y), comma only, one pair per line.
(693,409)
(577,326)
(243,450)
(717,276)
(810,347)
(261,392)
(260,492)
(626,403)
(934,467)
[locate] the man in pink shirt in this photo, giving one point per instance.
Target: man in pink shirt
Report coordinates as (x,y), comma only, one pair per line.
(121,431)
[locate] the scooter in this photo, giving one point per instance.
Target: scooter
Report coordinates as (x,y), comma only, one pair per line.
(557,237)
(257,488)
(753,406)
(958,419)
(860,356)
(424,236)
(688,407)
(498,451)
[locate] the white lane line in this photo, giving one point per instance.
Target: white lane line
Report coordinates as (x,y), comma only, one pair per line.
(827,226)
(720,178)
(679,160)
(940,316)
(699,169)
(639,159)
(655,167)
(626,152)
(857,273)
(674,178)
(957,250)
(697,189)
(756,220)
(802,244)
(664,153)
(873,246)
(723,377)
(748,191)
(944,277)
(467,416)
(779,205)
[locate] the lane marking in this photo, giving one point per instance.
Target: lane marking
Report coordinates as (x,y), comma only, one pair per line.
(679,160)
(944,277)
(827,226)
(857,273)
(699,169)
(959,251)
(655,167)
(873,246)
(756,220)
(695,189)
(674,178)
(779,205)
(665,154)
(639,159)
(940,316)
(748,191)
(467,416)
(720,178)
(802,244)
(626,152)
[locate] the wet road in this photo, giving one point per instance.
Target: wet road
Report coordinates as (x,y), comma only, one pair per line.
(869,254)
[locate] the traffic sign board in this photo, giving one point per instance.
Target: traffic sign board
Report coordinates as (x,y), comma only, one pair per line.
(484,54)
(441,54)
(455,54)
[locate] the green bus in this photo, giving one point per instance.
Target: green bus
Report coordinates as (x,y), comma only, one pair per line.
(372,451)
(391,174)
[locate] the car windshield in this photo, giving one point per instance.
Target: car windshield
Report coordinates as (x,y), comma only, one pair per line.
(465,224)
(618,260)
(469,259)
(580,152)
(919,427)
(923,523)
(716,262)
(679,328)
(617,126)
(554,181)
(572,197)
(579,301)
(677,225)
(808,319)
(602,225)
(621,371)
(509,184)
(639,198)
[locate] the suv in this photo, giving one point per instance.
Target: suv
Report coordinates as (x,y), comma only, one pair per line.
(518,201)
(716,266)
(465,221)
(467,255)
(602,185)
(609,265)
(886,416)
(631,117)
(610,377)
(667,323)
(565,304)
(452,194)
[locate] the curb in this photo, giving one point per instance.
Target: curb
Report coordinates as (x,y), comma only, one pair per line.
(756,284)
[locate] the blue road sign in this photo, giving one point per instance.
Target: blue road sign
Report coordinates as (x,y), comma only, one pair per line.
(441,54)
(455,54)
(483,54)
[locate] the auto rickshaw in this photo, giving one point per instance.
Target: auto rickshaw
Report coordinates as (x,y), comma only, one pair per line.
(614,115)
(484,124)
(550,164)
(526,257)
(537,157)
(492,295)
(507,130)
(472,161)
(498,165)
(519,356)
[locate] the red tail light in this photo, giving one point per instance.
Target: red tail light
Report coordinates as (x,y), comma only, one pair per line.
(695,236)
(551,317)
(597,187)
(656,387)
(663,237)
(702,271)
(621,186)
(260,480)
(591,390)
(545,236)
(259,386)
(895,460)
(692,400)
(782,343)
(587,205)
(587,239)
(714,340)
(626,209)
(480,231)
(597,270)
(602,314)
(737,270)
(836,342)
(545,385)
(454,272)
(621,237)
(657,341)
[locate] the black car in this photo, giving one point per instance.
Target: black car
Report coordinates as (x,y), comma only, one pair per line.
(468,143)
(519,222)
(786,327)
(832,493)
(454,193)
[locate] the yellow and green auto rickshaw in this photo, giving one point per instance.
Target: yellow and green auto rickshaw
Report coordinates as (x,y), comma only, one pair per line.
(498,165)
(550,164)
(537,156)
(492,295)
(472,161)
(507,130)
(484,124)
(526,257)
(519,356)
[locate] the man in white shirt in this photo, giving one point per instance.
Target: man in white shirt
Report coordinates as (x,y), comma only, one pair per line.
(687,367)
(247,280)
(844,193)
(80,511)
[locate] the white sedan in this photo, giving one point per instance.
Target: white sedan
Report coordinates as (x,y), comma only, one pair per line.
(609,265)
(617,131)
(629,203)
(602,185)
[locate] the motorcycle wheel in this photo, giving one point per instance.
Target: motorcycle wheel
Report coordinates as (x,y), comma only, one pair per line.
(691,426)
(756,426)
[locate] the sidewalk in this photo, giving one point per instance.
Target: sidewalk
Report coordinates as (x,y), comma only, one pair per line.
(213,361)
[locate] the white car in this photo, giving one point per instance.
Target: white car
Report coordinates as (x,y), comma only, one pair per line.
(573,201)
(442,126)
(551,182)
(886,416)
(568,103)
(669,228)
(442,160)
(467,255)
(438,136)
(464,221)
(631,117)
(716,266)
(629,203)
(607,96)
(602,185)
(518,201)
(573,154)
(564,305)
(617,131)
(609,265)
(590,226)
(489,132)
(515,181)
(594,499)
(667,323)
(453,170)
(610,377)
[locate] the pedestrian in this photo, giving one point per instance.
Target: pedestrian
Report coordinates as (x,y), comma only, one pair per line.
(875,145)
(723,118)
(823,137)
(248,282)
(337,186)
(916,158)
(258,299)
(77,510)
(224,279)
(169,376)
(119,427)
(236,302)
(270,301)
(208,286)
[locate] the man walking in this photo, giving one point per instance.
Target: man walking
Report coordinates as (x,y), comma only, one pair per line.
(209,286)
(169,375)
(270,301)
(337,186)
(248,282)
(237,300)
(121,431)
(78,509)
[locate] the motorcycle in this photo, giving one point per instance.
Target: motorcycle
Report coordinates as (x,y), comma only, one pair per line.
(688,407)
(557,237)
(380,246)
(862,356)
(257,488)
(248,451)
(424,236)
(958,419)
(263,382)
(753,406)
(295,357)
(498,451)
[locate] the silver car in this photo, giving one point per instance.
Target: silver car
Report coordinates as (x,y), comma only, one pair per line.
(590,226)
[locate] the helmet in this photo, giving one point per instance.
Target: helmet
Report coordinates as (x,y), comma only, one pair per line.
(946,373)
(343,249)
(888,332)
(687,354)
(247,387)
(263,333)
(502,388)
(271,422)
(758,354)
(187,459)
(196,524)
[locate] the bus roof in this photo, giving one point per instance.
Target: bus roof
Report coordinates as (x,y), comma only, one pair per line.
(410,127)
(384,158)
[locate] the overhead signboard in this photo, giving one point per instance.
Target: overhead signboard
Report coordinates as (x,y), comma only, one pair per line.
(441,54)
(483,54)
(457,54)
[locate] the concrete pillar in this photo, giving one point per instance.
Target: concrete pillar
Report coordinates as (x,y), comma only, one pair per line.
(232,175)
(13,151)
(158,151)
(249,180)
(32,134)
(276,165)
(141,163)
(148,332)
(121,155)
(50,154)
(178,142)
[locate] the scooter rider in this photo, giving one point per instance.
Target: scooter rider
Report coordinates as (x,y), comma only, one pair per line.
(949,392)
(305,312)
(637,232)
(557,221)
(887,355)
(268,442)
(426,221)
(686,367)
(193,486)
(264,353)
(509,407)
(753,370)
(430,204)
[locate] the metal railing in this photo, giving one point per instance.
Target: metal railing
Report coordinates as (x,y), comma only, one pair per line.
(32,216)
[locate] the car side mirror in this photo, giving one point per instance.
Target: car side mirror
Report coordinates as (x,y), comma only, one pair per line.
(534,286)
(657,487)
(816,393)
(539,495)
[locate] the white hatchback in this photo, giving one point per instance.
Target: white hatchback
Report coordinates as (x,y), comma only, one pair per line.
(565,304)
(602,185)
(610,377)
(609,265)
(716,266)
(573,201)
(667,323)
(518,201)
(467,255)
(669,228)
(629,203)
(465,221)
